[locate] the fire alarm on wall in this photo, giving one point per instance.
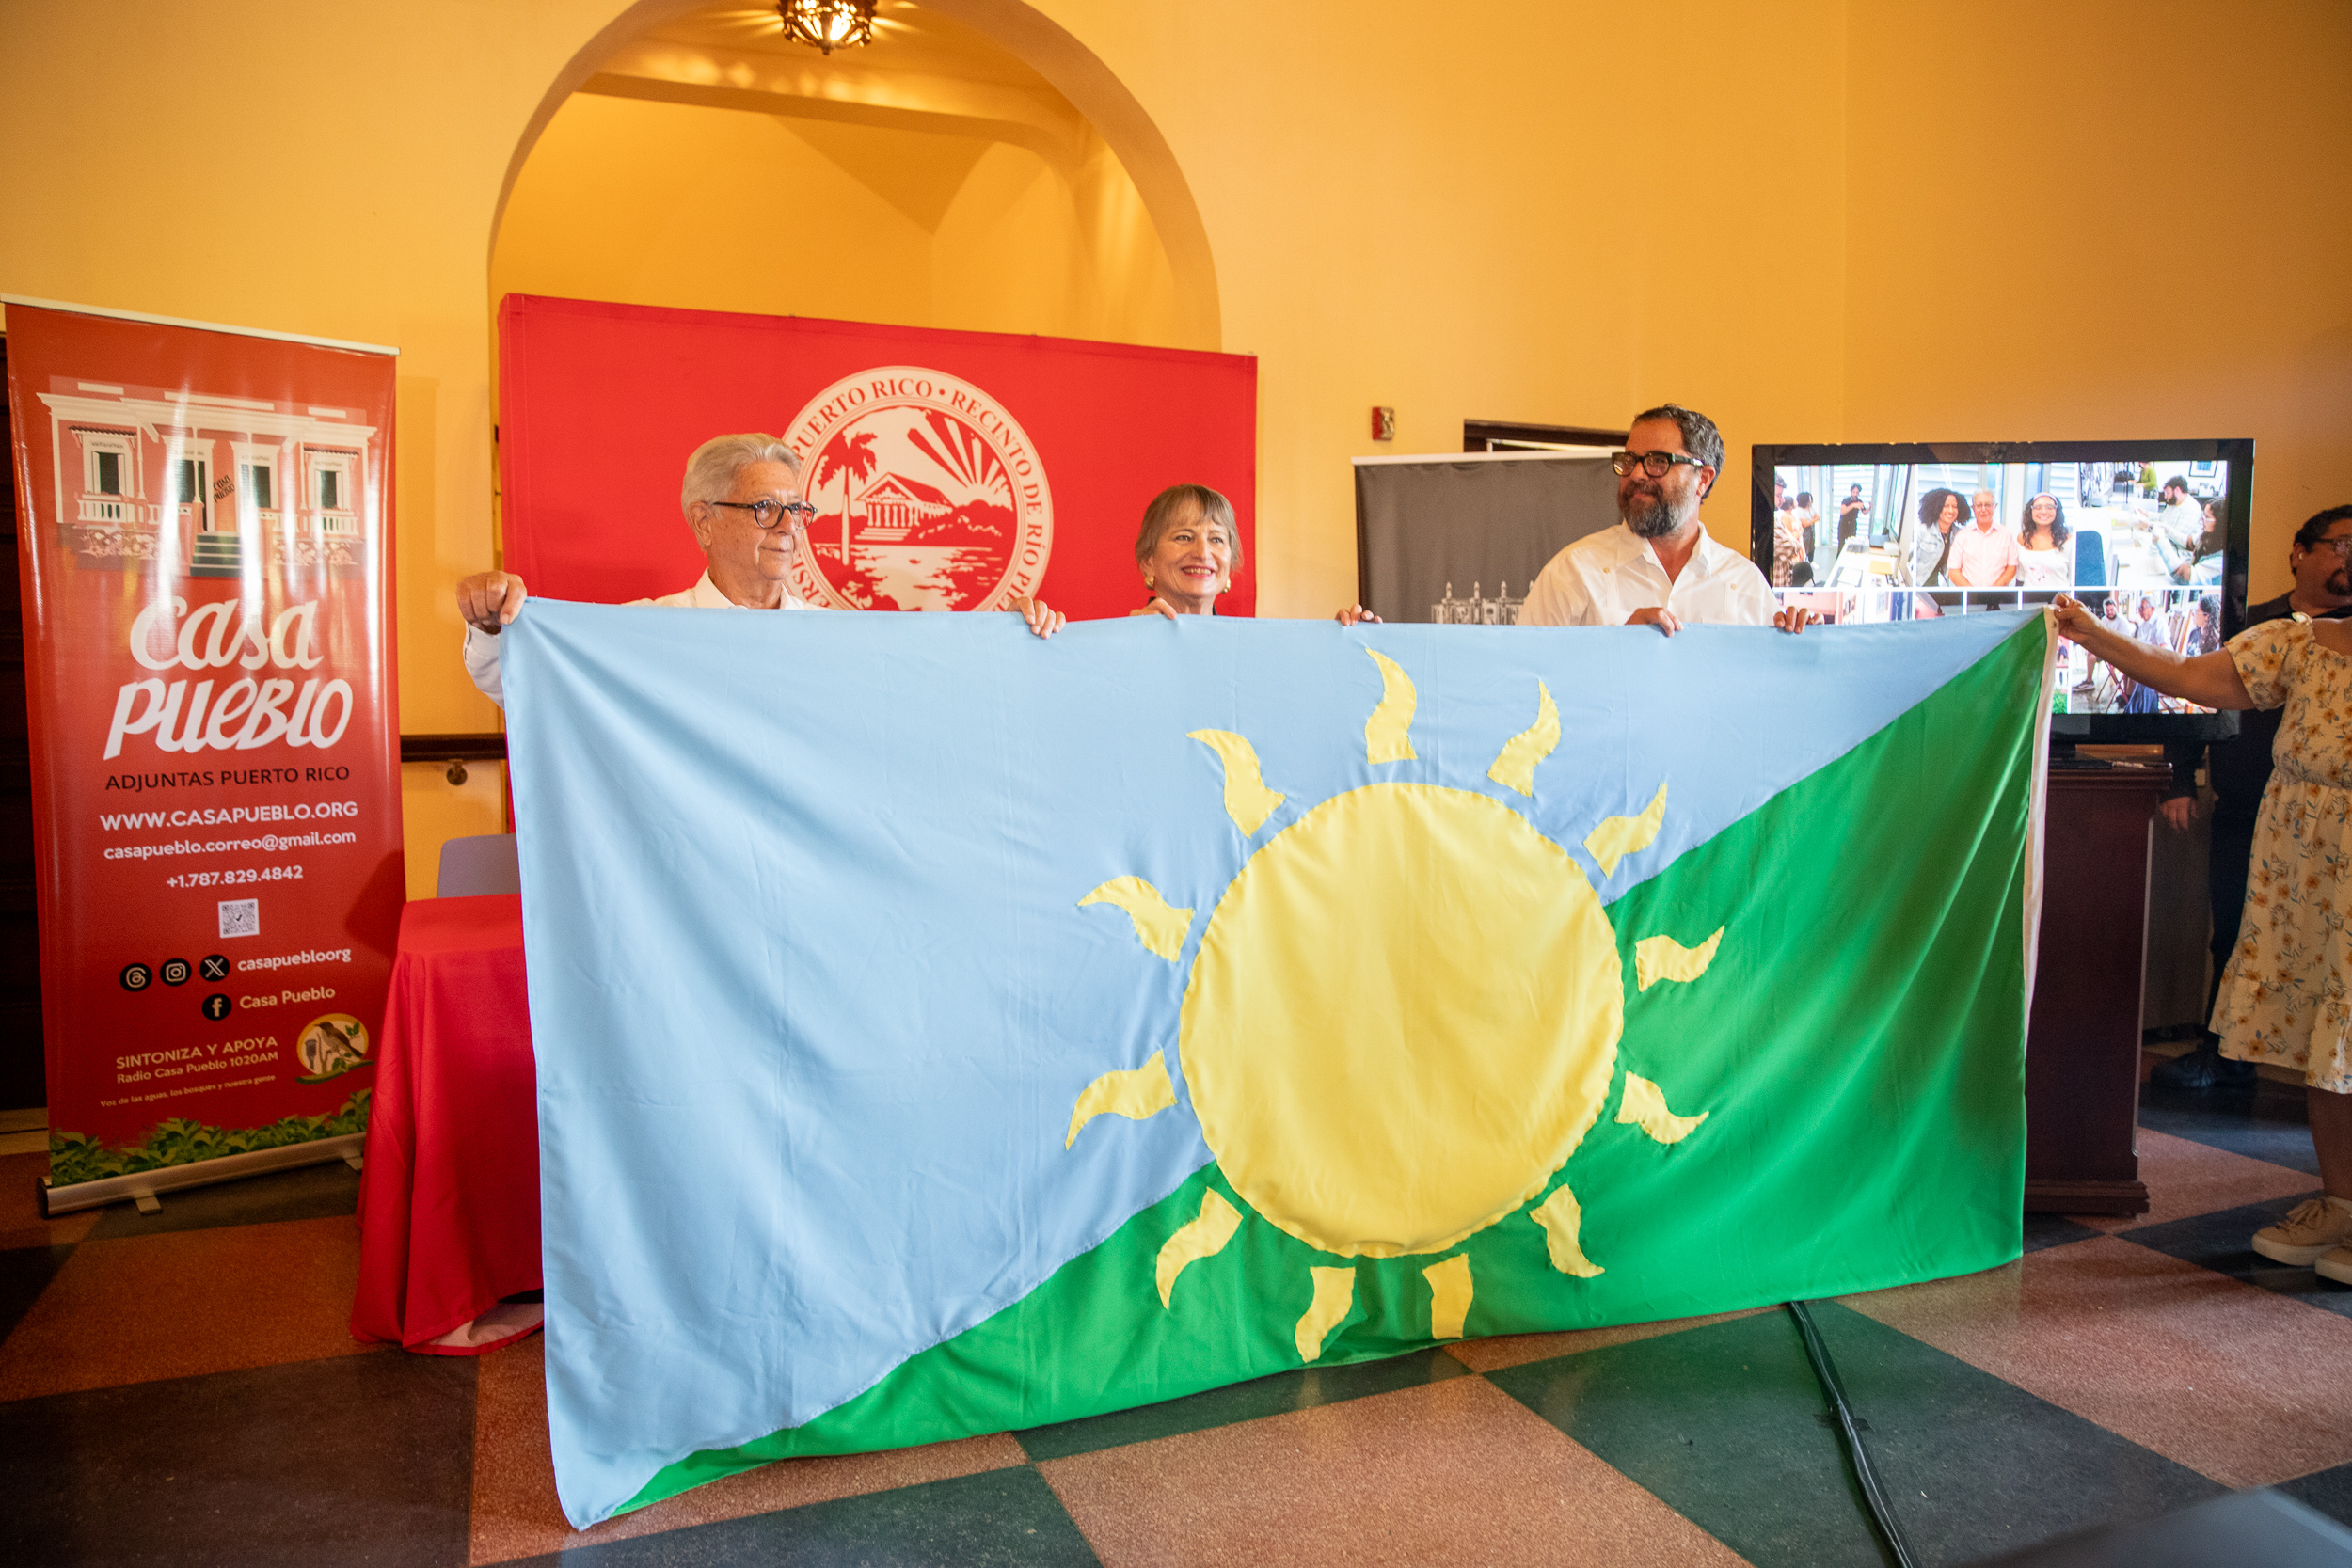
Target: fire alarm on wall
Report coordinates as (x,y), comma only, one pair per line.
(1383,425)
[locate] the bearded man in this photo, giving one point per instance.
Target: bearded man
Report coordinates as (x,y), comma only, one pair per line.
(1657,567)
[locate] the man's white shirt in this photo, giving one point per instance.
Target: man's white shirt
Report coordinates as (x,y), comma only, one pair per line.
(2183,522)
(1602,579)
(481,649)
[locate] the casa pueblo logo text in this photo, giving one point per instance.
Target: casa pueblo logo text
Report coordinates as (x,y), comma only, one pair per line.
(928,495)
(250,711)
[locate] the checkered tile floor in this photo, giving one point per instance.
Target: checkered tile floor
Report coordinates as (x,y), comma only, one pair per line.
(180,1389)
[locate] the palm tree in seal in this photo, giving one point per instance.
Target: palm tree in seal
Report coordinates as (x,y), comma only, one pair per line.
(853,459)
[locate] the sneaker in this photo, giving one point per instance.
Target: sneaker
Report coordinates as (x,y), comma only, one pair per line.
(2318,1226)
(2336,1265)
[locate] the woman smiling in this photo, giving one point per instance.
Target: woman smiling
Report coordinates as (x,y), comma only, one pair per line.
(2045,558)
(1187,550)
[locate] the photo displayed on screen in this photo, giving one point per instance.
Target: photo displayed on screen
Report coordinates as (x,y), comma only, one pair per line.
(2139,542)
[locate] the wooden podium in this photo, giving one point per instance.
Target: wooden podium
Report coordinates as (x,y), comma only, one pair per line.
(2082,1037)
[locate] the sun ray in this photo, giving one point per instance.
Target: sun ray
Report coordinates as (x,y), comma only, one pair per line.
(1197,1238)
(1157,927)
(1657,959)
(1515,764)
(1643,1105)
(1560,1219)
(1449,1296)
(1619,836)
(1247,801)
(1389,833)
(1135,1093)
(1335,1293)
(1388,733)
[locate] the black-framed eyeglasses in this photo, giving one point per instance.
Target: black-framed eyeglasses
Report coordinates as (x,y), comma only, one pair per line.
(2341,543)
(1654,464)
(767,513)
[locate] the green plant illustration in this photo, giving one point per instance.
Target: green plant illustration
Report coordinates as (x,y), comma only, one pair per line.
(76,1157)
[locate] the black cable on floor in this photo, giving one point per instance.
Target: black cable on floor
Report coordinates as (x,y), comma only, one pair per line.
(1826,1371)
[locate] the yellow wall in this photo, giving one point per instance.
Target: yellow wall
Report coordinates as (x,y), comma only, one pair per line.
(1867,219)
(434,810)
(2147,233)
(654,203)
(1446,229)
(329,170)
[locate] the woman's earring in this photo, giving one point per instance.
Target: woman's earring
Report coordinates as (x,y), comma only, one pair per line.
(1150,581)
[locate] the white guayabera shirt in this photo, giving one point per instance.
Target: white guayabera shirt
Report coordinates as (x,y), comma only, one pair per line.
(481,649)
(1602,579)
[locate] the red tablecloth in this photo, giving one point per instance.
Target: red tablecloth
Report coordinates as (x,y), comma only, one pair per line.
(449,1196)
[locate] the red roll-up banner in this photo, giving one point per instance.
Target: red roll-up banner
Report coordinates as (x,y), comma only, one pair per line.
(204,520)
(949,470)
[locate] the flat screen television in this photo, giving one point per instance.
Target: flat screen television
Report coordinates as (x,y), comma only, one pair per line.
(2150,535)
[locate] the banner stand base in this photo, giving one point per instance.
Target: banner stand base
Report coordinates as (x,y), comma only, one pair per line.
(144,1187)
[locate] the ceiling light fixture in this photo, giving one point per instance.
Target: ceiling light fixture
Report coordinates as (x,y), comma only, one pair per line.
(828,24)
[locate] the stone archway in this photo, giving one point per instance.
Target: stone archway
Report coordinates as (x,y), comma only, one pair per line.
(1042,44)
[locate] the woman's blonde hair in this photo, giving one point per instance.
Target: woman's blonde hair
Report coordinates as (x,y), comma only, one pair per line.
(1171,505)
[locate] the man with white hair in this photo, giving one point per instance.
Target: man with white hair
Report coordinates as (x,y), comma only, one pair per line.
(1984,554)
(741,496)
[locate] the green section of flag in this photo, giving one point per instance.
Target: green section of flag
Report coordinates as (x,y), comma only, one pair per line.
(1856,1044)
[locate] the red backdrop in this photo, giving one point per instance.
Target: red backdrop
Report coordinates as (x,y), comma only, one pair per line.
(950,469)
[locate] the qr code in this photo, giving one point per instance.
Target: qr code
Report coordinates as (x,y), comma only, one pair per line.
(240,917)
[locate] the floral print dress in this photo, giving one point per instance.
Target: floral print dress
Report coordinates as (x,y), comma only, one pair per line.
(2284,993)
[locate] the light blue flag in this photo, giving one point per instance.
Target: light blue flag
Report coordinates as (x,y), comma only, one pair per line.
(869,992)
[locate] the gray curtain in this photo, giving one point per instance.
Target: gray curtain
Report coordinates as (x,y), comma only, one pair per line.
(1476,529)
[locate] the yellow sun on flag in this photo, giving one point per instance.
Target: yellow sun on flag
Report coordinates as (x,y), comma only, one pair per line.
(1402,1020)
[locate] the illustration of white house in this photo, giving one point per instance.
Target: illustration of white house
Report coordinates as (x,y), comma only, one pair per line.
(893,505)
(203,485)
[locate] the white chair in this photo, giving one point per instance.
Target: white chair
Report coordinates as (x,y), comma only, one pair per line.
(472,866)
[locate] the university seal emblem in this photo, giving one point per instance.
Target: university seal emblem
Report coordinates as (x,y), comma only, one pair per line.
(928,495)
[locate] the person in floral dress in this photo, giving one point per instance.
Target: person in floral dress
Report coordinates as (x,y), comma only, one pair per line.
(2283,996)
